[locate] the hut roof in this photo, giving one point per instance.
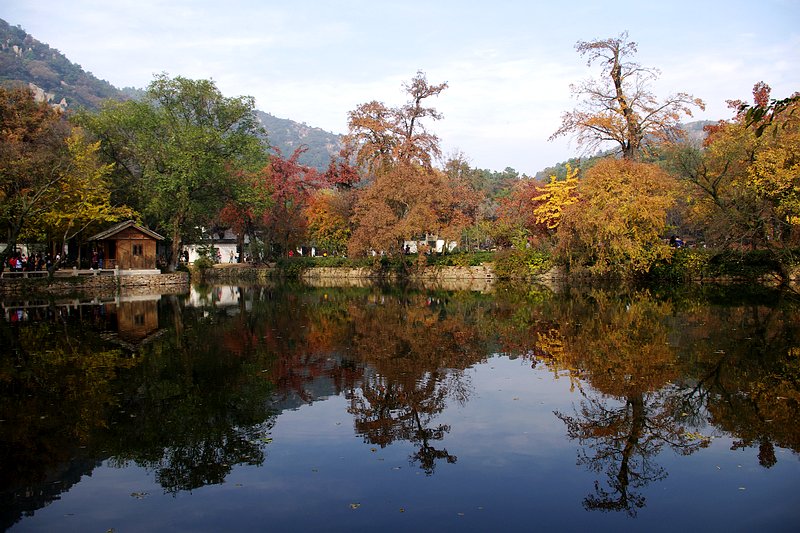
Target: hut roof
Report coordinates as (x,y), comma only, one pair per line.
(113,230)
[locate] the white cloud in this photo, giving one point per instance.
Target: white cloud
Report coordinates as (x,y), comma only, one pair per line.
(509,65)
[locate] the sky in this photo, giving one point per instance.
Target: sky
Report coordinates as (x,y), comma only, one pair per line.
(509,64)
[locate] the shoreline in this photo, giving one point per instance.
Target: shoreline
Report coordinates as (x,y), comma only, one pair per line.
(481,278)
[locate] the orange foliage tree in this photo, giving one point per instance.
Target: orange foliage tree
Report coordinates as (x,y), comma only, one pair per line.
(327,212)
(407,198)
(746,191)
(616,227)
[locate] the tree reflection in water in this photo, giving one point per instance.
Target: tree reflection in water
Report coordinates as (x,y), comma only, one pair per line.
(417,347)
(658,370)
(620,347)
(201,395)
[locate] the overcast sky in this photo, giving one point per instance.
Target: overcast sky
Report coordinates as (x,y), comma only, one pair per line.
(509,64)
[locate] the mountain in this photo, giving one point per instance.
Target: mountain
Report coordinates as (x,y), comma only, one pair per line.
(54,78)
(49,72)
(288,135)
(695,131)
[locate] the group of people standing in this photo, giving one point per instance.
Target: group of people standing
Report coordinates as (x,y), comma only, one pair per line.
(18,262)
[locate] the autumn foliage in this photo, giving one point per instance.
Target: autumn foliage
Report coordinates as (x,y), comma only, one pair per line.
(618,223)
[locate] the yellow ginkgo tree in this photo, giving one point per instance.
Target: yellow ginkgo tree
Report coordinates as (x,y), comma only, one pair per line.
(556,197)
(82,199)
(617,224)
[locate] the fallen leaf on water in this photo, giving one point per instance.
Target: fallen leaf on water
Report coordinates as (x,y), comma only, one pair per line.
(138,495)
(355,505)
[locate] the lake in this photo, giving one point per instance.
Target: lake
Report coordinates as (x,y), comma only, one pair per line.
(296,408)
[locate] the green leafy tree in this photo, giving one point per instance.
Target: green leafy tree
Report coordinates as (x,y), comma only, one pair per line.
(180,148)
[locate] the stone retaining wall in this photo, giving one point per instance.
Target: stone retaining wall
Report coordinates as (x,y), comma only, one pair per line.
(93,284)
(483,272)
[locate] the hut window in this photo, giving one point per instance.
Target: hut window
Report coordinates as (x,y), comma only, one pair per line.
(137,249)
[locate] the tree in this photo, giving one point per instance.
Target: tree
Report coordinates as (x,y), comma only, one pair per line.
(327,212)
(82,198)
(290,184)
(407,197)
(381,136)
(557,196)
(249,205)
(744,181)
(395,207)
(182,146)
(33,160)
(616,227)
(619,107)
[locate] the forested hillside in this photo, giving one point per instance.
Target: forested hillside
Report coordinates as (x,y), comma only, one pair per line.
(59,81)
(24,59)
(288,135)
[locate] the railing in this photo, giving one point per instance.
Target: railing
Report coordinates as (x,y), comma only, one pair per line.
(63,273)
(23,274)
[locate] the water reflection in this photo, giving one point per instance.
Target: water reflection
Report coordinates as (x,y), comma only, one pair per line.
(191,386)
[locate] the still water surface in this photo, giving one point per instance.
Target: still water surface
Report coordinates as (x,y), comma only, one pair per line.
(290,408)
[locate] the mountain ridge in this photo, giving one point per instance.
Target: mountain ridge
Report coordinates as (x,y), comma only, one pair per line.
(62,83)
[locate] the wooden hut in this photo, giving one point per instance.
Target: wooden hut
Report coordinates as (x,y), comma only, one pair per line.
(128,246)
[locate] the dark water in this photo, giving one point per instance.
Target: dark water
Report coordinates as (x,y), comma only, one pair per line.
(289,408)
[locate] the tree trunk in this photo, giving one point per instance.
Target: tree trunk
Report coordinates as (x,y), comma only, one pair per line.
(630,147)
(11,245)
(174,250)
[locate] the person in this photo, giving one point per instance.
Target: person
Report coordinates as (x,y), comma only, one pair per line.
(230,258)
(100,257)
(186,256)
(94,260)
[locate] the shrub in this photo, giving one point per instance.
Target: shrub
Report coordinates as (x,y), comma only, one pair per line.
(521,262)
(203,263)
(685,264)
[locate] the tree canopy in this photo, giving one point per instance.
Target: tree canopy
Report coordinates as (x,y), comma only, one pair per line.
(619,107)
(181,146)
(50,176)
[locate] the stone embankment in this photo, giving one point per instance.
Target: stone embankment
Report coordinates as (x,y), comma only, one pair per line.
(438,273)
(320,275)
(108,284)
(475,278)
